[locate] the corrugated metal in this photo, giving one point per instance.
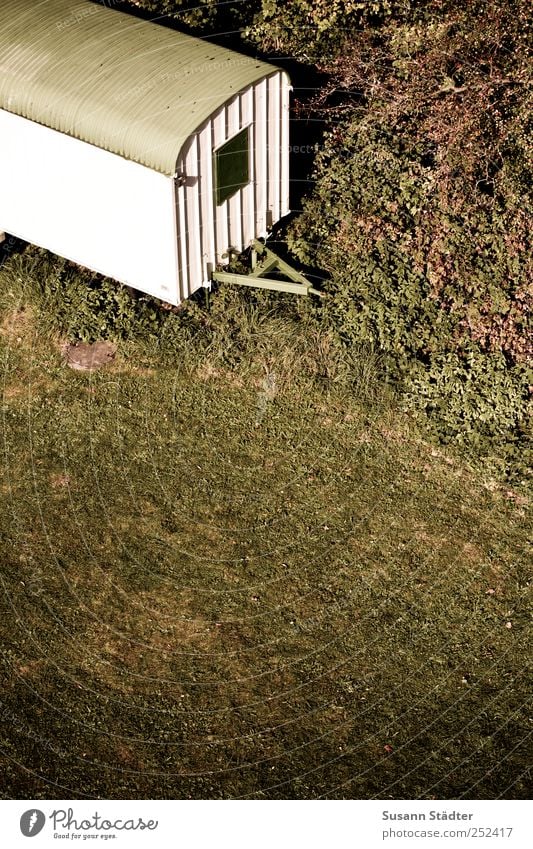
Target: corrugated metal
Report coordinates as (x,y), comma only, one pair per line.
(274,145)
(126,85)
(285,209)
(219,136)
(207,204)
(234,202)
(248,209)
(193,233)
(210,229)
(261,155)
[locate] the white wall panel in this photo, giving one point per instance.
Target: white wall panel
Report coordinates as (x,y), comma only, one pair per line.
(221,211)
(183,255)
(285,117)
(207,208)
(274,142)
(193,234)
(251,211)
(261,157)
(91,206)
(248,209)
(234,202)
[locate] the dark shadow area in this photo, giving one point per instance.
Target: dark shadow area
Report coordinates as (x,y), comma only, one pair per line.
(11,245)
(305,132)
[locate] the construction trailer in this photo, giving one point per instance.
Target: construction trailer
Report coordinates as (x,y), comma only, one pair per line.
(139,152)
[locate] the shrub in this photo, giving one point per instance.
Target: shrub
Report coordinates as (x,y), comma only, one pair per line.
(311,29)
(195,16)
(420,217)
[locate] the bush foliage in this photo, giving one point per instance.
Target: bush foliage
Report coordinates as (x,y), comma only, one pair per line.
(420,214)
(195,16)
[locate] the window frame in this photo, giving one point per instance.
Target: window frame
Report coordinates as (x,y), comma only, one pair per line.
(224,193)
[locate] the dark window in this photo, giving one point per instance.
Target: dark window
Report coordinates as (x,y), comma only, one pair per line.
(231,166)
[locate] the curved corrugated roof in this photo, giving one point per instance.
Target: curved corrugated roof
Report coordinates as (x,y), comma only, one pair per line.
(123,84)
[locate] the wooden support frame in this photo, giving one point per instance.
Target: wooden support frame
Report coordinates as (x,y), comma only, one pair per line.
(264,261)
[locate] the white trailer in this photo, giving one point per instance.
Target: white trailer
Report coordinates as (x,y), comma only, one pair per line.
(137,151)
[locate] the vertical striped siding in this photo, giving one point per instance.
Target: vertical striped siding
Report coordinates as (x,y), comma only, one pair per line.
(192,195)
(206,230)
(248,207)
(207,205)
(274,141)
(261,156)
(221,212)
(183,256)
(284,126)
(234,202)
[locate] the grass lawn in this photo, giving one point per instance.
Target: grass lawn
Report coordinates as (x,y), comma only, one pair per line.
(248,577)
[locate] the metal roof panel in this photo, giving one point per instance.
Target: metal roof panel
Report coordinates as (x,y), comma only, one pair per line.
(126,85)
